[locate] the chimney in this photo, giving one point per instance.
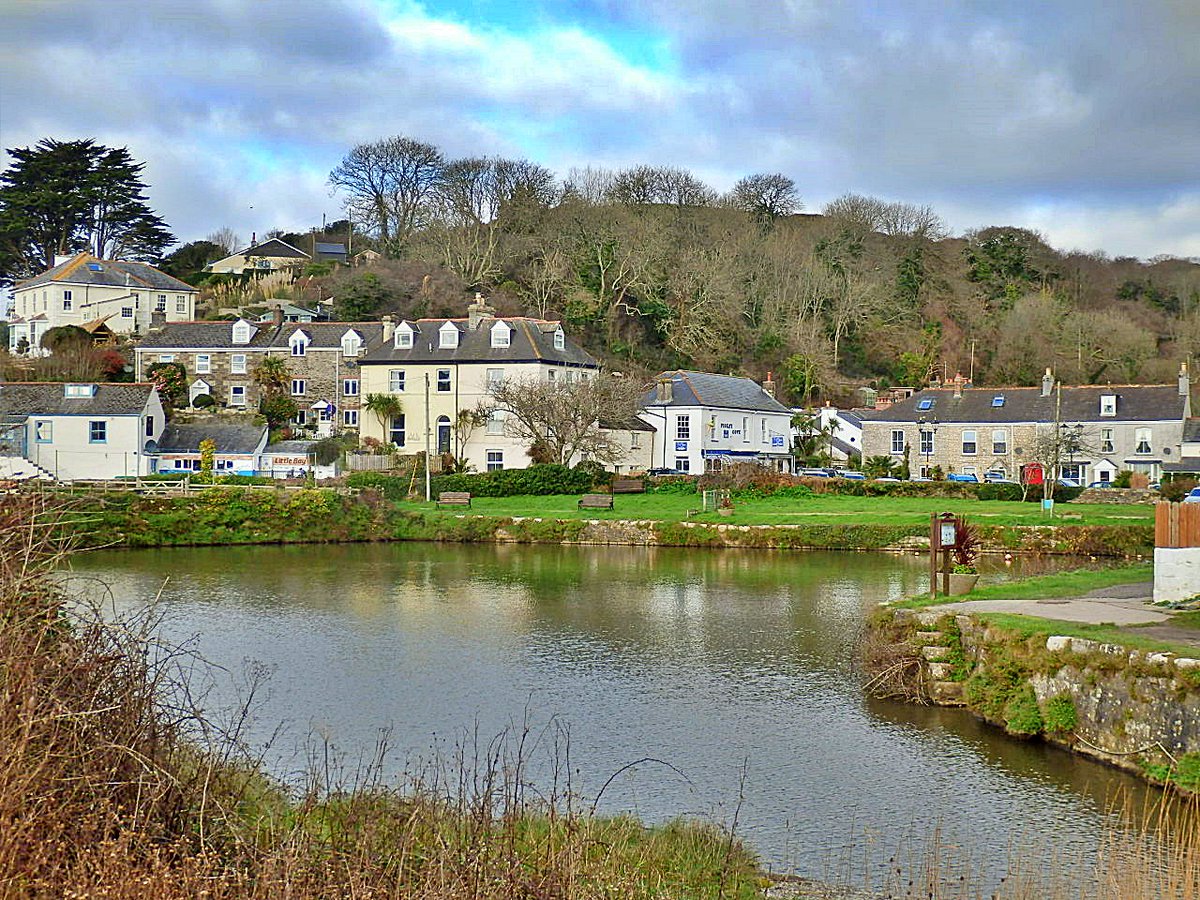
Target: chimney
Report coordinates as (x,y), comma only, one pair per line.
(958,385)
(157,320)
(769,384)
(665,392)
(478,311)
(1185,382)
(277,315)
(1047,383)
(389,328)
(253,238)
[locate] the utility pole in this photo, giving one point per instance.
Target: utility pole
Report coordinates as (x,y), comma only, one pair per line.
(972,361)
(427,491)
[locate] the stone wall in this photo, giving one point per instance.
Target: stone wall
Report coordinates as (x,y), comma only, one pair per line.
(1127,496)
(1135,709)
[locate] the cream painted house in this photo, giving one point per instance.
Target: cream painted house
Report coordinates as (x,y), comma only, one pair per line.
(84,290)
(272,255)
(74,431)
(445,366)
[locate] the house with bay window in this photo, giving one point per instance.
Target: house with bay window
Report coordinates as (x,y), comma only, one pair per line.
(439,369)
(83,290)
(704,421)
(1098,430)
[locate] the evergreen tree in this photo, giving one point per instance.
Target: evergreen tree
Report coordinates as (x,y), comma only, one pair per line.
(64,196)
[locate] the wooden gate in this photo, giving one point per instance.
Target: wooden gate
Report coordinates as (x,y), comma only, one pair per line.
(1177,525)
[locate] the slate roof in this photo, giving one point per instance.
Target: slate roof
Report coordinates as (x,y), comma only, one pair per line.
(30,398)
(291,448)
(1135,403)
(1191,430)
(531,340)
(274,248)
(633,423)
(229,438)
(219,335)
(111,273)
(330,249)
(721,391)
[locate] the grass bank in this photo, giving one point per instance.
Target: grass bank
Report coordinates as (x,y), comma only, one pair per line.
(1040,587)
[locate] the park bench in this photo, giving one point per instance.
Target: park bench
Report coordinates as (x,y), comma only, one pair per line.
(453,498)
(596,501)
(628,486)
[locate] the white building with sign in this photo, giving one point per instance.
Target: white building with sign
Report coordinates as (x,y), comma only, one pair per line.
(704,422)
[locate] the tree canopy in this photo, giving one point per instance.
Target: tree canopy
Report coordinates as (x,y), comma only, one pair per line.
(60,197)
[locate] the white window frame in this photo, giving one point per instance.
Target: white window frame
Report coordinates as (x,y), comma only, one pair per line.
(898,441)
(160,303)
(395,381)
(393,430)
(495,377)
(1142,441)
(403,338)
(495,423)
(181,306)
(444,384)
(501,335)
(242,333)
(351,344)
(448,336)
(560,339)
(999,442)
(350,418)
(349,387)
(683,464)
(970,439)
(1108,405)
(237,364)
(203,363)
(235,398)
(683,427)
(298,344)
(1107,440)
(299,387)
(495,460)
(927,441)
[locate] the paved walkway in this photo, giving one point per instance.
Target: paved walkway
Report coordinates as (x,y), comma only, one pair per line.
(1122,604)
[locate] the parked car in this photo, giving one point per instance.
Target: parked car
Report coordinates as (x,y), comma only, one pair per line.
(889,478)
(1101,484)
(996,478)
(968,479)
(851,476)
(920,478)
(1068,482)
(814,473)
(657,472)
(1193,496)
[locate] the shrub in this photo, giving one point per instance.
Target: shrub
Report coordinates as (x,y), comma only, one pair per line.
(1060,714)
(390,486)
(1021,713)
(538,479)
(203,401)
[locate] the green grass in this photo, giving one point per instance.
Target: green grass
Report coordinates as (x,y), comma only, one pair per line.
(825,509)
(1033,626)
(1075,583)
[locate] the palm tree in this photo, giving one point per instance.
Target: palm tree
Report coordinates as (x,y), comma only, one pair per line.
(385,407)
(272,375)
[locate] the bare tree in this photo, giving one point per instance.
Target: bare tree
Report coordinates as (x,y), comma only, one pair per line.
(862,215)
(591,184)
(562,417)
(645,185)
(390,184)
(227,239)
(767,197)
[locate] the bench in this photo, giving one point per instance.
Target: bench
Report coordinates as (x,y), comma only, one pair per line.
(628,486)
(596,501)
(453,498)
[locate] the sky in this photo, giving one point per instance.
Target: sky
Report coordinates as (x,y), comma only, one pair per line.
(1076,118)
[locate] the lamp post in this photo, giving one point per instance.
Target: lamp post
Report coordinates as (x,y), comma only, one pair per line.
(1070,440)
(925,425)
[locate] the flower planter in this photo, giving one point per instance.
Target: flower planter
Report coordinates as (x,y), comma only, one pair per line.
(725,510)
(962,584)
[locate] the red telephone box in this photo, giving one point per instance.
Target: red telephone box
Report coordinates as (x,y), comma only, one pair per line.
(1032,473)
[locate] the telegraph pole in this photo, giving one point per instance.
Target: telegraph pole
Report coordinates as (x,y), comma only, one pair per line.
(427,461)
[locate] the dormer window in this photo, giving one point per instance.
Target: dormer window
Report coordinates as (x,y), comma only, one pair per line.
(351,343)
(299,343)
(560,339)
(448,336)
(79,390)
(403,338)
(501,335)
(1108,404)
(242,332)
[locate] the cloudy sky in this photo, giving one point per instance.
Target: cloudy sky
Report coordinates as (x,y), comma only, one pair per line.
(1080,118)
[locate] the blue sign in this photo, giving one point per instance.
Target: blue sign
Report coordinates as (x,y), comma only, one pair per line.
(776,440)
(681,445)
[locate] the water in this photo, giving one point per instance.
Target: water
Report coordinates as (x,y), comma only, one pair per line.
(735,668)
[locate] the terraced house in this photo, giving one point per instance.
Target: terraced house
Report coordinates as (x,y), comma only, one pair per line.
(440,368)
(220,357)
(83,290)
(1098,430)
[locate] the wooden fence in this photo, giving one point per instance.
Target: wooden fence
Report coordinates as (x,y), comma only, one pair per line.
(1177,525)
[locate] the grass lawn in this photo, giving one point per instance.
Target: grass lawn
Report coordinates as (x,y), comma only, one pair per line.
(1058,584)
(1033,626)
(829,509)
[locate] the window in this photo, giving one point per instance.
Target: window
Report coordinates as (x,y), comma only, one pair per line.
(237,364)
(67,301)
(999,441)
(149,426)
(1071,470)
(551,375)
(635,440)
(763,428)
(396,381)
(495,422)
(181,306)
(43,432)
(299,387)
(443,380)
(745,429)
(683,428)
(160,303)
(79,390)
(448,336)
(301,417)
(326,412)
(299,343)
(203,363)
(350,418)
(897,440)
(998,400)
(969,470)
(403,338)
(501,335)
(351,343)
(166,357)
(1106,440)
(926,441)
(560,340)
(1141,440)
(495,460)
(97,432)
(241,333)
(396,430)
(1108,404)
(350,387)
(682,464)
(494,378)
(237,395)
(969,443)
(126,312)
(926,403)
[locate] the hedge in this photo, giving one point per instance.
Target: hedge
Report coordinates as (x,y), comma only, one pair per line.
(546,478)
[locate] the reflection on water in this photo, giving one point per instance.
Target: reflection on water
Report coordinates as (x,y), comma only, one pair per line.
(710,661)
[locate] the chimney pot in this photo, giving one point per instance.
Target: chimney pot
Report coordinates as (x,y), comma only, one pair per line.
(478,311)
(1048,383)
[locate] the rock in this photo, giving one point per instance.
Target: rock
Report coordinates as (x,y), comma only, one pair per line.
(1057,642)
(947,693)
(940,671)
(924,638)
(935,653)
(1187,664)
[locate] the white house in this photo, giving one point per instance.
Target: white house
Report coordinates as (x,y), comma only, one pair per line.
(84,290)
(705,421)
(844,429)
(73,431)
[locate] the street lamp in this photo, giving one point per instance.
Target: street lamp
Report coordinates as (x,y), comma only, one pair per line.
(929,425)
(1070,439)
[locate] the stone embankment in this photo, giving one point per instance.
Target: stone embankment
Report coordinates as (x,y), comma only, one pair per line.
(1135,709)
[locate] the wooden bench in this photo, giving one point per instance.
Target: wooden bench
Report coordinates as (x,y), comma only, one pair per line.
(453,498)
(596,501)
(628,486)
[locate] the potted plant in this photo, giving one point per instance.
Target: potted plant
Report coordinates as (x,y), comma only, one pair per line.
(725,507)
(964,575)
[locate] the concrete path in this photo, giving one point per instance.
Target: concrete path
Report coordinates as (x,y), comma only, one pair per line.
(1122,604)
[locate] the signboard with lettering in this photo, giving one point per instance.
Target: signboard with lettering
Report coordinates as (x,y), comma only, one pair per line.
(681,445)
(777,440)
